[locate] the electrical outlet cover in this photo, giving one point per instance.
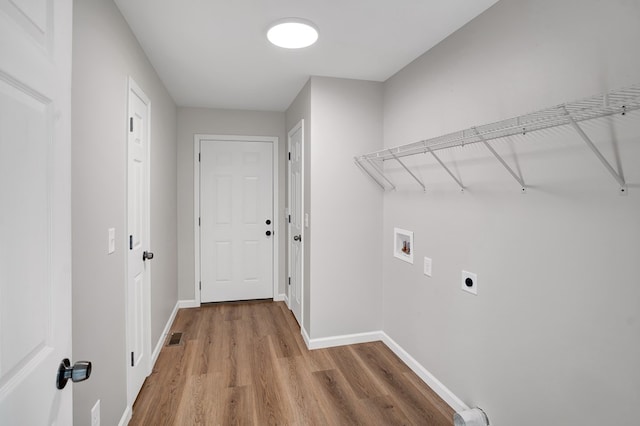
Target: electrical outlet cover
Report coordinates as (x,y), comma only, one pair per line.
(470,282)
(95,414)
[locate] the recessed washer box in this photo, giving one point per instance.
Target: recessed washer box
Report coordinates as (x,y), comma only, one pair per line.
(403,244)
(470,282)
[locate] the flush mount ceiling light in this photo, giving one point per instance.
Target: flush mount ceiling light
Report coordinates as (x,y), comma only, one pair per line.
(292,33)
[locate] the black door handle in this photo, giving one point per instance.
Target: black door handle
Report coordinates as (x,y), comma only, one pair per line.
(80,371)
(147,255)
(297,238)
(268,222)
(268,233)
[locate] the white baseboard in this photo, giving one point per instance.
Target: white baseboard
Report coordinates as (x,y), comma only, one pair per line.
(347,339)
(424,374)
(163,336)
(126,416)
(182,304)
(305,336)
(280,298)
(373,336)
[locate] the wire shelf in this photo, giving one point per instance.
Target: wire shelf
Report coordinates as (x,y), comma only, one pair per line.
(571,113)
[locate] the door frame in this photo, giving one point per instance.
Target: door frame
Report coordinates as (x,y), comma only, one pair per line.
(133,89)
(197,138)
(298,126)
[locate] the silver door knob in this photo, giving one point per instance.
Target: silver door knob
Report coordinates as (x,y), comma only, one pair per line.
(80,371)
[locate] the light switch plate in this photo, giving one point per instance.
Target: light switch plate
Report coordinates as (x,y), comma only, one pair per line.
(427,266)
(112,240)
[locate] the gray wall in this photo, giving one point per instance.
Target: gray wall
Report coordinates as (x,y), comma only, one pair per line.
(193,121)
(300,109)
(105,53)
(346,210)
(552,337)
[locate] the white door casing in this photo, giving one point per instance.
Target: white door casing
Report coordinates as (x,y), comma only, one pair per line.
(296,227)
(138,356)
(235,191)
(35,217)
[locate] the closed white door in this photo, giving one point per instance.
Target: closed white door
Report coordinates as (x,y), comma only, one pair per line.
(35,210)
(296,158)
(138,266)
(236,220)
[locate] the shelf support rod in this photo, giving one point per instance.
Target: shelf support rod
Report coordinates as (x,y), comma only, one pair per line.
(361,167)
(408,171)
(590,144)
(446,168)
(501,160)
(380,172)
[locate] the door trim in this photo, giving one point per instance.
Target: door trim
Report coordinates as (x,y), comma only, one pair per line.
(134,89)
(197,138)
(298,126)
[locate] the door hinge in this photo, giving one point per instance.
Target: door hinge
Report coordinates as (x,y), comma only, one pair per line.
(199,156)
(131,124)
(132,364)
(199,222)
(289,280)
(289,218)
(130,242)
(289,156)
(200,285)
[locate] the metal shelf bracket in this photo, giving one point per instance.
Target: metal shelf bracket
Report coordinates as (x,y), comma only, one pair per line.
(408,171)
(501,160)
(364,169)
(446,168)
(596,151)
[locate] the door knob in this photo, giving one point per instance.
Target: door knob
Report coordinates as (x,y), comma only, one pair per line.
(80,371)
(268,233)
(297,238)
(268,222)
(147,255)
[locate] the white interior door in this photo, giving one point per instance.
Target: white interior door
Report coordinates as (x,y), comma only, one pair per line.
(35,210)
(296,145)
(236,216)
(138,267)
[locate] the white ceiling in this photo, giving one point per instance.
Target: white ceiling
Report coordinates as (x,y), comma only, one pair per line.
(214,53)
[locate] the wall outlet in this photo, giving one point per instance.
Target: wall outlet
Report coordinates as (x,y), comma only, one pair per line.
(470,282)
(95,414)
(112,240)
(427,266)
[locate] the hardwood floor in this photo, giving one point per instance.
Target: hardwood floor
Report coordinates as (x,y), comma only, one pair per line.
(246,364)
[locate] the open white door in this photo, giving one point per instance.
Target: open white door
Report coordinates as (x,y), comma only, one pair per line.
(138,254)
(296,243)
(35,212)
(237,220)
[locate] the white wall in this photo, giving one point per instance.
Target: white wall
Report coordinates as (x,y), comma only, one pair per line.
(552,337)
(105,53)
(193,121)
(345,209)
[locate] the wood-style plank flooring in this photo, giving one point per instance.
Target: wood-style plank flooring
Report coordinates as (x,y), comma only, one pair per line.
(246,364)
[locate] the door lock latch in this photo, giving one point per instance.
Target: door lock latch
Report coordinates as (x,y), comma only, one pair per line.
(147,255)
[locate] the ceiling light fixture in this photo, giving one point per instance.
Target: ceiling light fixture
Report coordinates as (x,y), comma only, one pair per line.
(292,33)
